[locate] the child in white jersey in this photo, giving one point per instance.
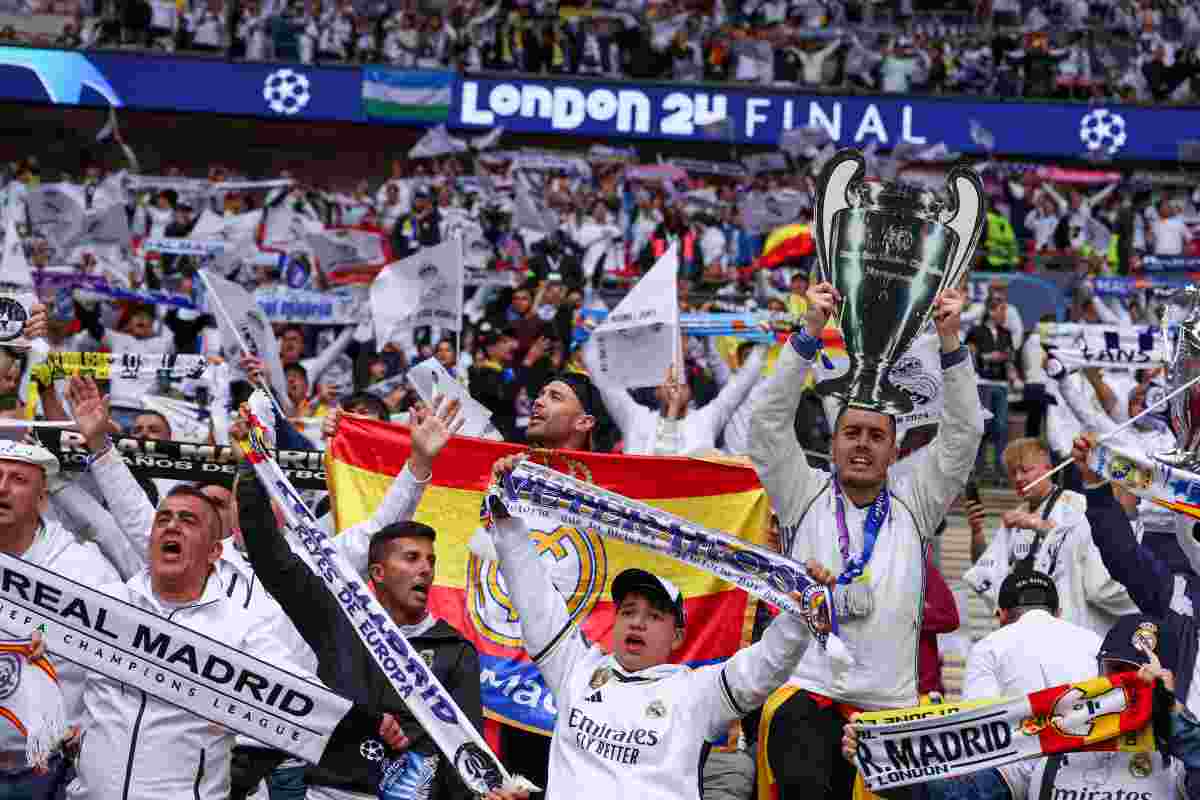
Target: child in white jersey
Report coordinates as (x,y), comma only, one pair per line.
(630,724)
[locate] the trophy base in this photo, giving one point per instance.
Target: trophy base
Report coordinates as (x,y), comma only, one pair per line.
(867,388)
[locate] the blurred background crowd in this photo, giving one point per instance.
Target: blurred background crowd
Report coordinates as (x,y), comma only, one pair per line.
(1128,50)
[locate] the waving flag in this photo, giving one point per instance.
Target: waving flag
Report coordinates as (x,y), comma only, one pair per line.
(470,593)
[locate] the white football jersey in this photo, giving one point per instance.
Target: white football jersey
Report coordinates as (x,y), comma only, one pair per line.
(621,735)
(632,735)
(1101,776)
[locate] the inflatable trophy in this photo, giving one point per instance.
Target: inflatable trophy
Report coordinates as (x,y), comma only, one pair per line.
(889,249)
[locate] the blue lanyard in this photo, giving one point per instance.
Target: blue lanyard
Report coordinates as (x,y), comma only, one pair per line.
(878,513)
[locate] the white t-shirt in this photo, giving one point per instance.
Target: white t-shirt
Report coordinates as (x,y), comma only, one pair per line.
(1169,236)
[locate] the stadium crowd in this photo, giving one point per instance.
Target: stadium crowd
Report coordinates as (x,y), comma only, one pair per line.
(1118,51)
(555,241)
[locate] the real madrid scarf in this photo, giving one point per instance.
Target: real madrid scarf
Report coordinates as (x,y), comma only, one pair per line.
(1161,484)
(432,706)
(31,702)
(167,661)
(915,745)
(757,570)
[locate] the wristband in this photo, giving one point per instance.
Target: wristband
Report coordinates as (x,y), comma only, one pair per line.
(954,358)
(805,344)
(1054,369)
(103,451)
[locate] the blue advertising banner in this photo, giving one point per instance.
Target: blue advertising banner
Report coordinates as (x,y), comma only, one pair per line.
(296,92)
(1154,263)
(759,116)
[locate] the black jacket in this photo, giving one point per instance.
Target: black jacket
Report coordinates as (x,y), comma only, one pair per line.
(344,664)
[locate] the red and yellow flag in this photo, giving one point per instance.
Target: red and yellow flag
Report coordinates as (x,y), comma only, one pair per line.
(470,594)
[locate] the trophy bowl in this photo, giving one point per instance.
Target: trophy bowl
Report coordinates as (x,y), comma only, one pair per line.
(1183,369)
(889,249)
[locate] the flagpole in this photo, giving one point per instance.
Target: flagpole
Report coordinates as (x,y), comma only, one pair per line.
(216,300)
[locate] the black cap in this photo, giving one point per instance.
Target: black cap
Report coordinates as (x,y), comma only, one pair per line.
(1132,638)
(583,388)
(1028,587)
(659,590)
(490,333)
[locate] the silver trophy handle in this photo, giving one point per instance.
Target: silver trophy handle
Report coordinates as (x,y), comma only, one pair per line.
(839,173)
(965,192)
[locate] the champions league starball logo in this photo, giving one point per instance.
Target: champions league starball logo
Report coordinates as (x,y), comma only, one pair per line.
(10,674)
(286,91)
(1102,131)
(12,319)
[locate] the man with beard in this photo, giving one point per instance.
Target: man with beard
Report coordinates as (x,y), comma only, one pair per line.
(862,532)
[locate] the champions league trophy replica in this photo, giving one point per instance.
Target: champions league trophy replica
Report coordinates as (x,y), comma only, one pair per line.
(1184,366)
(889,249)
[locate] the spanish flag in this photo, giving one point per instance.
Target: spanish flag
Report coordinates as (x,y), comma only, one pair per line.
(786,244)
(470,593)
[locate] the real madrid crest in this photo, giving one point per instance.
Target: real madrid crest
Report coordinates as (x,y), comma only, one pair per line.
(427,657)
(1145,638)
(656,710)
(1141,765)
(600,677)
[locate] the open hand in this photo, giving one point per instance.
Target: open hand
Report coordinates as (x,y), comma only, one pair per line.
(432,429)
(91,412)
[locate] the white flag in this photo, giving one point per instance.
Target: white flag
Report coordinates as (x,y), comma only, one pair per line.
(487,140)
(432,381)
(286,229)
(343,248)
(639,340)
(437,142)
(424,289)
(16,288)
(244,327)
(1081,345)
(189,423)
(56,213)
(531,213)
(104,227)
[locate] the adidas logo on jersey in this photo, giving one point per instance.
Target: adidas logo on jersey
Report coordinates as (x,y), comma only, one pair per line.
(594,698)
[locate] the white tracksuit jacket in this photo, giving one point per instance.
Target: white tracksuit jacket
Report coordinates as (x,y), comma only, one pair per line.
(632,735)
(884,644)
(136,747)
(696,432)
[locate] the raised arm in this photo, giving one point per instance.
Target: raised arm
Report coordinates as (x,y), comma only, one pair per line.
(943,467)
(745,681)
(303,595)
(721,408)
(773,448)
(431,431)
(621,407)
(87,513)
(553,642)
(1089,417)
(125,498)
(1147,579)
